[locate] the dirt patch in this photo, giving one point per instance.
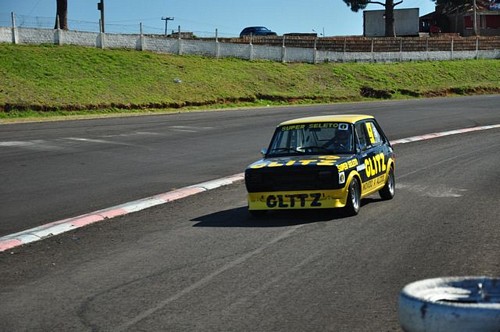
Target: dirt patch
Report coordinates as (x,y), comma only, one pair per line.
(461,92)
(365,92)
(368,92)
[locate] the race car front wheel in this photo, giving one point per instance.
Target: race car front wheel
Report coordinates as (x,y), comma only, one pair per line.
(353,198)
(388,191)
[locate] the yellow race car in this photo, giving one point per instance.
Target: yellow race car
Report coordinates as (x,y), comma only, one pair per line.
(322,162)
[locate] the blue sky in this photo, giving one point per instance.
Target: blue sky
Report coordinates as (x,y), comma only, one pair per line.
(203,17)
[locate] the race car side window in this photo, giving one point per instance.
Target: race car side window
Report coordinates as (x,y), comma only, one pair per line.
(383,138)
(362,136)
(373,134)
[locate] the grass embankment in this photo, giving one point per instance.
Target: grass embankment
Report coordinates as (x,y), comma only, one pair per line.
(62,80)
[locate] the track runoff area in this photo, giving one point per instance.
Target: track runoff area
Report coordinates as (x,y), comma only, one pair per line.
(61,226)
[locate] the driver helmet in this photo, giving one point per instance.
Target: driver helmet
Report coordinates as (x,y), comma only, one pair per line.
(342,136)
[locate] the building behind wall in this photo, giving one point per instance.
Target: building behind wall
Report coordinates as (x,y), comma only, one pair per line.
(461,20)
(405,22)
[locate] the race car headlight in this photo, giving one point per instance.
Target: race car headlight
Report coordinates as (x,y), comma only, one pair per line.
(341,178)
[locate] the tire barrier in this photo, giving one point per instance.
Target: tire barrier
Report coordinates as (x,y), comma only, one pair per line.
(456,304)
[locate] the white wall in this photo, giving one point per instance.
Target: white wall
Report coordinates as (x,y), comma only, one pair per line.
(218,49)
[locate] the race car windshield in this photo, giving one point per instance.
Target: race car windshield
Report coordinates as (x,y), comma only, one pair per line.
(312,138)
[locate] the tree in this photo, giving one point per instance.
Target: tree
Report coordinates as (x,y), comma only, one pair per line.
(454,5)
(62,15)
(390,30)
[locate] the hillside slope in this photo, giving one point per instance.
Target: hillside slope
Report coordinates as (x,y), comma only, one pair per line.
(68,78)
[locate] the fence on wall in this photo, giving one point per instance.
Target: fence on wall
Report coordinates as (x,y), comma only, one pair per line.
(444,42)
(149,26)
(282,48)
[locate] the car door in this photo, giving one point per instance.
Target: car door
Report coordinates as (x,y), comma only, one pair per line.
(373,155)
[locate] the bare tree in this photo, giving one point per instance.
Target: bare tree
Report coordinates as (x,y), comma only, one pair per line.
(390,28)
(62,14)
(452,5)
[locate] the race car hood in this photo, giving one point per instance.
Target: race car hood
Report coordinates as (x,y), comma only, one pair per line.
(341,161)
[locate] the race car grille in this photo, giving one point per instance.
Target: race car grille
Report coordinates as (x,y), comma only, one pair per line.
(287,179)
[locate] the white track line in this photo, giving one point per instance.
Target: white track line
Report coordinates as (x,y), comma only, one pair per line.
(57,227)
(444,133)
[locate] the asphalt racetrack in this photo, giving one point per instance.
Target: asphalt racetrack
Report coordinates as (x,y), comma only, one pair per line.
(201,263)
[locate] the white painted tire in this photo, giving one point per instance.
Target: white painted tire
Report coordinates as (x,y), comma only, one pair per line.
(451,304)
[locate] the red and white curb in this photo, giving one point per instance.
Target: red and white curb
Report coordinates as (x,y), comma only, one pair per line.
(57,227)
(54,228)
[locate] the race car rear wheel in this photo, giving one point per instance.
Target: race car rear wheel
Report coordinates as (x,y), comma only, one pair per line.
(388,191)
(353,198)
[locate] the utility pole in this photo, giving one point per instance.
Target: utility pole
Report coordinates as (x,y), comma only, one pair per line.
(166,19)
(100,7)
(474,21)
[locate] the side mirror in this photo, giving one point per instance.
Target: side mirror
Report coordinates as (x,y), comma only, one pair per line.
(263,152)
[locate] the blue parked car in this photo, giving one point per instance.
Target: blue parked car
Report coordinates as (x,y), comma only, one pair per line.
(257,31)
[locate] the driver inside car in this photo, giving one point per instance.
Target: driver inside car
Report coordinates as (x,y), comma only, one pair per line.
(341,142)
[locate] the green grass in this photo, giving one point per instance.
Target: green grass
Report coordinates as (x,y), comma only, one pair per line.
(53,80)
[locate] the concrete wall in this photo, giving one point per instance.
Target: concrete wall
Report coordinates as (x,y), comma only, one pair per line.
(90,39)
(240,51)
(224,50)
(35,36)
(164,45)
(6,35)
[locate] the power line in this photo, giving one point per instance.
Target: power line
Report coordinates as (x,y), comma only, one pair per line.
(34,7)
